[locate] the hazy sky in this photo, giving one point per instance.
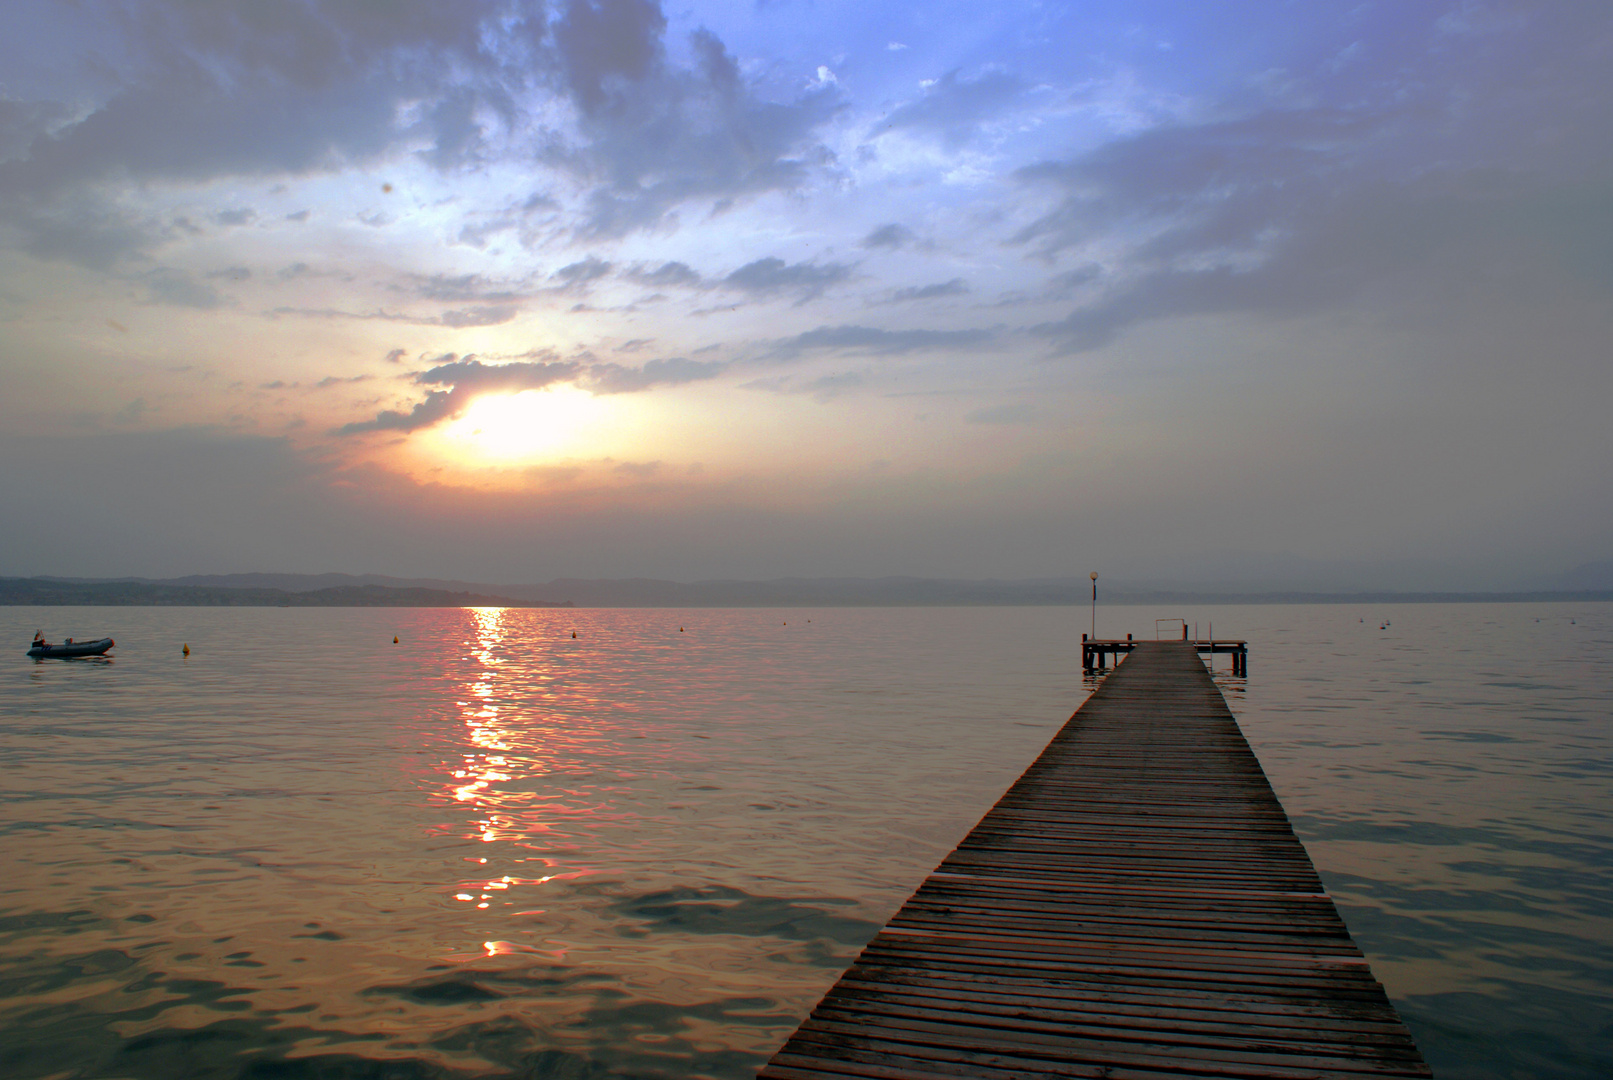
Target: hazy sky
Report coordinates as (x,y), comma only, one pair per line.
(506,291)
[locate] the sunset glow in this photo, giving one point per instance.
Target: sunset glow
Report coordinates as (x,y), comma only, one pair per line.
(772,289)
(535,425)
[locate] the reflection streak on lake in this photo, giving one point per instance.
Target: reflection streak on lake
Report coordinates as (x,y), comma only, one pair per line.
(498,849)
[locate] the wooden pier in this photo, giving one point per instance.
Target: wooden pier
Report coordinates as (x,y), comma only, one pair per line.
(1095,652)
(1136,907)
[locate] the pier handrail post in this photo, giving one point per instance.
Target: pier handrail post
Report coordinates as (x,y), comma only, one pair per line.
(1094,605)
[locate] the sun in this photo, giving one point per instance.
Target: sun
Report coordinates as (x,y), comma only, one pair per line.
(556,421)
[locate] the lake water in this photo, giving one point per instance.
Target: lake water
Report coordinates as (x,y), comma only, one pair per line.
(495,849)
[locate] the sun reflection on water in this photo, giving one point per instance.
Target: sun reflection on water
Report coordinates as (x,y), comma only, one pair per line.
(486,768)
(511,749)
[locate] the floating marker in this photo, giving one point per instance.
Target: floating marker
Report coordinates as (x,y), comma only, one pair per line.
(394,639)
(574,633)
(680,629)
(186,649)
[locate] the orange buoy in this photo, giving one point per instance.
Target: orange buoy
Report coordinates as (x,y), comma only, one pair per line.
(186,649)
(394,639)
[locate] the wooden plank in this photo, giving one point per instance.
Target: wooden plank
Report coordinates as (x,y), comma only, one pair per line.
(1135,907)
(1249,1010)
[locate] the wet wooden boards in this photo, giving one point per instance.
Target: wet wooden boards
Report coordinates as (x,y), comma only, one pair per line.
(1136,907)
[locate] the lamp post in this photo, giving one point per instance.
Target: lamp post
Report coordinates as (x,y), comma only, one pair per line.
(1094,605)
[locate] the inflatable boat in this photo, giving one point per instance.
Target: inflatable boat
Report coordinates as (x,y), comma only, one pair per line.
(70,648)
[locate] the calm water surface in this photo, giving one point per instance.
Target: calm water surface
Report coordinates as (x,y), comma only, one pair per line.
(494,849)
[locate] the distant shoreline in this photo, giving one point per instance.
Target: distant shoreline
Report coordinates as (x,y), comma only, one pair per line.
(647,593)
(36,592)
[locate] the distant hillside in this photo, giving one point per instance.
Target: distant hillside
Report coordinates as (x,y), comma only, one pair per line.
(57,592)
(936,592)
(375,590)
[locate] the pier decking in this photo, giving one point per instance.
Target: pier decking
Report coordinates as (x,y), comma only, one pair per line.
(1136,907)
(1095,652)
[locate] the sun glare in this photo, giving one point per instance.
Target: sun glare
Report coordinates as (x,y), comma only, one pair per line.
(534,424)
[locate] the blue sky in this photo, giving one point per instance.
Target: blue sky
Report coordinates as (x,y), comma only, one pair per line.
(1305,293)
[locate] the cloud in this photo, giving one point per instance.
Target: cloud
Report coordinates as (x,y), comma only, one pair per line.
(868,339)
(606,42)
(78,230)
(455,122)
(1012,413)
(773,275)
(953,109)
(455,318)
(231,89)
(616,379)
(823,388)
(478,316)
(459,287)
(466,379)
(21,122)
(826,387)
(438,405)
(656,137)
(580,273)
(1422,189)
(1075,278)
(470,373)
(955,287)
(667,275)
(1184,188)
(638,468)
(892,236)
(1413,247)
(178,288)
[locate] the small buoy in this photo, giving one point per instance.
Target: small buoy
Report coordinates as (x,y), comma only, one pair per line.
(680,629)
(574,633)
(394,639)
(186,649)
